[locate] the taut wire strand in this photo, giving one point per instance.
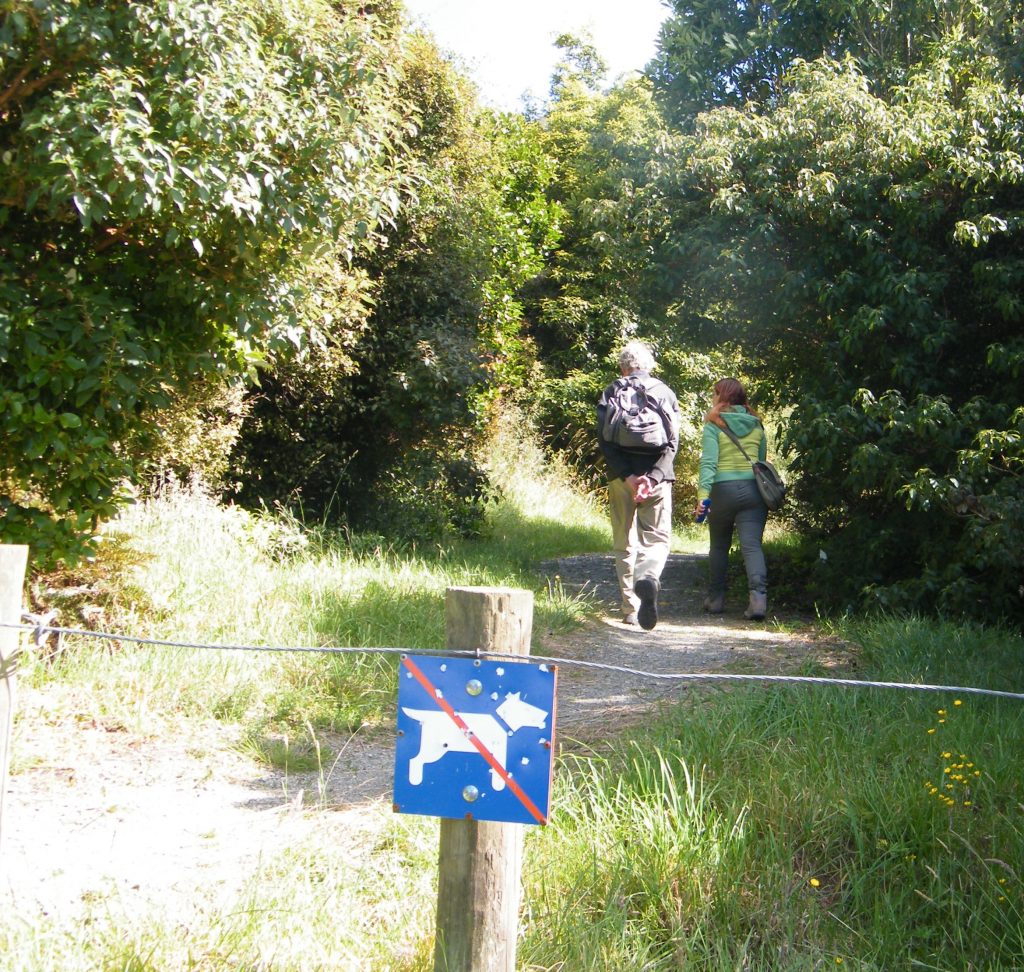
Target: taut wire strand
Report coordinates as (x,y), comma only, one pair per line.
(39,626)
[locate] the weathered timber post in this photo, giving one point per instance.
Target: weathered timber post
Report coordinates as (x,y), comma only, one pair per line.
(479,881)
(13,561)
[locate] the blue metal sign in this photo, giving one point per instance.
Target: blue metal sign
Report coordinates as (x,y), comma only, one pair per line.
(475,739)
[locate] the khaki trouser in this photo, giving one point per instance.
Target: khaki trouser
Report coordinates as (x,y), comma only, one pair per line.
(641,534)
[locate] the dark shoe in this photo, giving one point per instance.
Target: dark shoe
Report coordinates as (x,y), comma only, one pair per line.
(647,590)
(757,608)
(714,603)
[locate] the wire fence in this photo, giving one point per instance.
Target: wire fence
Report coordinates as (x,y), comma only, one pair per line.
(39,627)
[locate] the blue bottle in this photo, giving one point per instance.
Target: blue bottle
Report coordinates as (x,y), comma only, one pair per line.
(705,506)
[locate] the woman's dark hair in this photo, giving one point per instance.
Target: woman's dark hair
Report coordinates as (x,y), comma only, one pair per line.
(730,392)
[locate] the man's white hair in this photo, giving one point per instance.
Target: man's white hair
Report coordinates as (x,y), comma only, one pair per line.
(636,356)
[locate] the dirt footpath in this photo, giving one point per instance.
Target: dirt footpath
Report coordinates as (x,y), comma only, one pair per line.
(92,812)
(595,702)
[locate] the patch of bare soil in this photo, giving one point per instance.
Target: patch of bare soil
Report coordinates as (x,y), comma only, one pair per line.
(91,812)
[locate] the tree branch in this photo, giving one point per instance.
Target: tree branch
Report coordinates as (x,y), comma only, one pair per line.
(118,234)
(20,89)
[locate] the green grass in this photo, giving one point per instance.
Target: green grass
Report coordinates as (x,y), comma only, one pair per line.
(764,827)
(801,827)
(185,568)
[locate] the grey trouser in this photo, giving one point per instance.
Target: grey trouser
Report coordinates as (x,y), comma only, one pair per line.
(641,534)
(737,502)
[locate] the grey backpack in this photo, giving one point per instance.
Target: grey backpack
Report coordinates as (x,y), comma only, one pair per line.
(635,419)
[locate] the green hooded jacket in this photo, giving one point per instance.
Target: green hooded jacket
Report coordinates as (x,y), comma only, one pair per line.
(720,460)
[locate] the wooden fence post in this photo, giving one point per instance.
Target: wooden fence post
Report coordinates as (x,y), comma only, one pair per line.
(13,561)
(479,881)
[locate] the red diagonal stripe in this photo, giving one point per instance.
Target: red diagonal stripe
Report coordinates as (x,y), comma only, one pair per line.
(472,737)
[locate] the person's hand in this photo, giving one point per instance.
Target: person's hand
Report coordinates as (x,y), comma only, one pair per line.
(699,508)
(642,487)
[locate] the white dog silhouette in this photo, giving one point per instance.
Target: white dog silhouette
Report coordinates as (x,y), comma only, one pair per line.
(440,735)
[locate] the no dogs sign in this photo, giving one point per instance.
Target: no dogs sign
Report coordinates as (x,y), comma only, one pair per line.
(475,739)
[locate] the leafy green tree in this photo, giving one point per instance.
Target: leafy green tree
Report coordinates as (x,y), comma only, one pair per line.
(179,178)
(600,285)
(594,289)
(718,53)
(867,250)
(580,63)
(383,438)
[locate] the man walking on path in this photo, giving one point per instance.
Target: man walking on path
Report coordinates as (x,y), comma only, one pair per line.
(638,431)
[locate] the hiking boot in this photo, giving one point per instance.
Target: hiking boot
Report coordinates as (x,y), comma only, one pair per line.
(757,607)
(714,603)
(647,590)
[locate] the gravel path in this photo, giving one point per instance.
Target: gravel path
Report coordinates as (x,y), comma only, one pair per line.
(94,811)
(593,702)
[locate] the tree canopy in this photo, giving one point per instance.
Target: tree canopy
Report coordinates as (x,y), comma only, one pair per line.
(180,177)
(727,53)
(282,244)
(865,251)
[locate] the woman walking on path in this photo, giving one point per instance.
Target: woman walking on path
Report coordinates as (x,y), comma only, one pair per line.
(727,480)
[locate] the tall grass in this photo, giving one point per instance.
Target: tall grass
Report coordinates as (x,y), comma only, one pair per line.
(802,827)
(764,828)
(187,568)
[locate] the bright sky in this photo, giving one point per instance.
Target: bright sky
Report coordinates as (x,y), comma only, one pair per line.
(508,47)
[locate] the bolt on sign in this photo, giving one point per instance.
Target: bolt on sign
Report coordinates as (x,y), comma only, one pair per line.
(475,739)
